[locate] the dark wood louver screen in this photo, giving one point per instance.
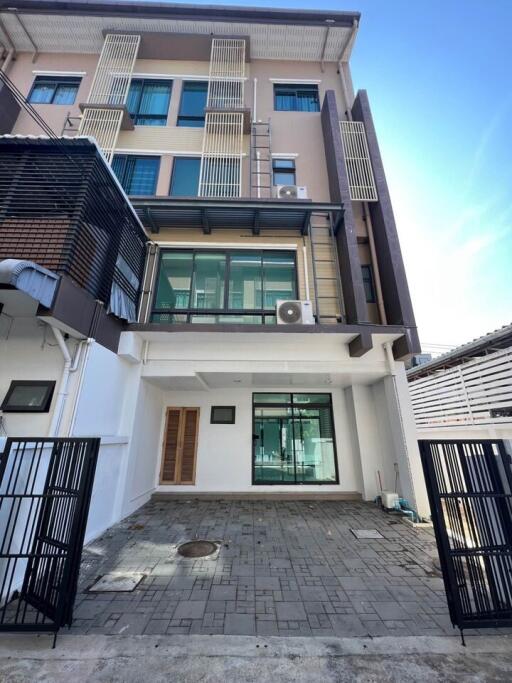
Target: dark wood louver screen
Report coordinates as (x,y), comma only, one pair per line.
(180,446)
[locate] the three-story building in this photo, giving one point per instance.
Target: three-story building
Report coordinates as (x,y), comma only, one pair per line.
(248,314)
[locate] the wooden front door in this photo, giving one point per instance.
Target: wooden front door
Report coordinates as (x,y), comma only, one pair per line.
(180,446)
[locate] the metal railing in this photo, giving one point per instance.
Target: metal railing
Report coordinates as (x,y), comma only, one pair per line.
(110,88)
(469,485)
(357,162)
(220,173)
(45,492)
(478,392)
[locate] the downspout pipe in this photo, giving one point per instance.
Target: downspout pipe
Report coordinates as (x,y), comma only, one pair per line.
(11,50)
(70,366)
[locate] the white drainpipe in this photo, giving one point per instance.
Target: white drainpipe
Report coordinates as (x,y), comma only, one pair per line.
(87,343)
(69,367)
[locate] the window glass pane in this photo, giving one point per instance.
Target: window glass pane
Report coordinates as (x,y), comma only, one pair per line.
(118,164)
(185,177)
(208,281)
(293,445)
(54,90)
(65,94)
(284,164)
(174,279)
(132,101)
(311,398)
(193,102)
(148,101)
(272,398)
(314,445)
(28,396)
(41,93)
(143,176)
(245,281)
(296,98)
(278,278)
(155,98)
(284,177)
(240,319)
(273,445)
(369,288)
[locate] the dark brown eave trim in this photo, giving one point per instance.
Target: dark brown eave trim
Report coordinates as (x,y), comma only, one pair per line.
(254,15)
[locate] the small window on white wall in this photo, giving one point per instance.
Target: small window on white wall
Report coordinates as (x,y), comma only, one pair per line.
(222,415)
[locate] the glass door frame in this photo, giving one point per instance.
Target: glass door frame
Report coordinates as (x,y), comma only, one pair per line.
(292,405)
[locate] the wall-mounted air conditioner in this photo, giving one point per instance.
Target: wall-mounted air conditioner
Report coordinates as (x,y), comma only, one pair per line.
(290,192)
(294,313)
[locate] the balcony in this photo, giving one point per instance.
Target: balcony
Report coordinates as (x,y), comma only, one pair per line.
(62,208)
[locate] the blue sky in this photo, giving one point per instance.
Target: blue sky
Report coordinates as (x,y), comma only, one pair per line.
(439,78)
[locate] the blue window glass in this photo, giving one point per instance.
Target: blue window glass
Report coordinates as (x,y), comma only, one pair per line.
(193,102)
(137,175)
(148,101)
(54,90)
(185,177)
(296,97)
(283,171)
(368,282)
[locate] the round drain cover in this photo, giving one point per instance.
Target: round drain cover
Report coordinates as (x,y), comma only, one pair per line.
(197,549)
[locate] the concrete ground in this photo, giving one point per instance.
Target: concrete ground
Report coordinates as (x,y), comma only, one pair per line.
(284,568)
(241,659)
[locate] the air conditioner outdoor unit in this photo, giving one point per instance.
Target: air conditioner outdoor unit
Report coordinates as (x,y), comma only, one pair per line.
(294,313)
(291,192)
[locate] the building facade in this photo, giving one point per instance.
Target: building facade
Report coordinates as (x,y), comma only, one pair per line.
(256,343)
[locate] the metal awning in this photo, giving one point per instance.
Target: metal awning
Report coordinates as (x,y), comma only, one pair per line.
(160,213)
(30,278)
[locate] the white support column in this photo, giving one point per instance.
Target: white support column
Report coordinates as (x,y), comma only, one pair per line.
(405,440)
(365,439)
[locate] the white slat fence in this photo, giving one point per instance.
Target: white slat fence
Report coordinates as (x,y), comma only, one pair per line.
(478,392)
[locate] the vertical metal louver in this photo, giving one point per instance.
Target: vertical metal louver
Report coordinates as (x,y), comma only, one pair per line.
(221,159)
(357,162)
(110,89)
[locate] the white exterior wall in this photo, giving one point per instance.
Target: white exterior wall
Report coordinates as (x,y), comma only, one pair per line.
(224,454)
(124,403)
(28,351)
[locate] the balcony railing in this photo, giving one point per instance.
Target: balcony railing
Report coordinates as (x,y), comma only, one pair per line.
(357,161)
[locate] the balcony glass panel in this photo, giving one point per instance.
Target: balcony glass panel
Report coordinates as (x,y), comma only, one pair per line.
(208,281)
(245,281)
(239,287)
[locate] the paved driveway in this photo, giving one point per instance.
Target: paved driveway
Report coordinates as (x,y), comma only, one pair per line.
(288,568)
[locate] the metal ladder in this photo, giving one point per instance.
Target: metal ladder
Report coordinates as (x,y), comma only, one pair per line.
(329,306)
(260,160)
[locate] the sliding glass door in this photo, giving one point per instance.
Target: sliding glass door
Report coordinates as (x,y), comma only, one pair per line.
(293,439)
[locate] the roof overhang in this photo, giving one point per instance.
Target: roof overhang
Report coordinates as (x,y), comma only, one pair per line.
(78,26)
(160,213)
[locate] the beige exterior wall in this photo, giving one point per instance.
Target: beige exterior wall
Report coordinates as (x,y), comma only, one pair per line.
(23,73)
(295,133)
(298,134)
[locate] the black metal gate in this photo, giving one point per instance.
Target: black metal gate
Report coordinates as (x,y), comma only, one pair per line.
(45,492)
(469,485)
